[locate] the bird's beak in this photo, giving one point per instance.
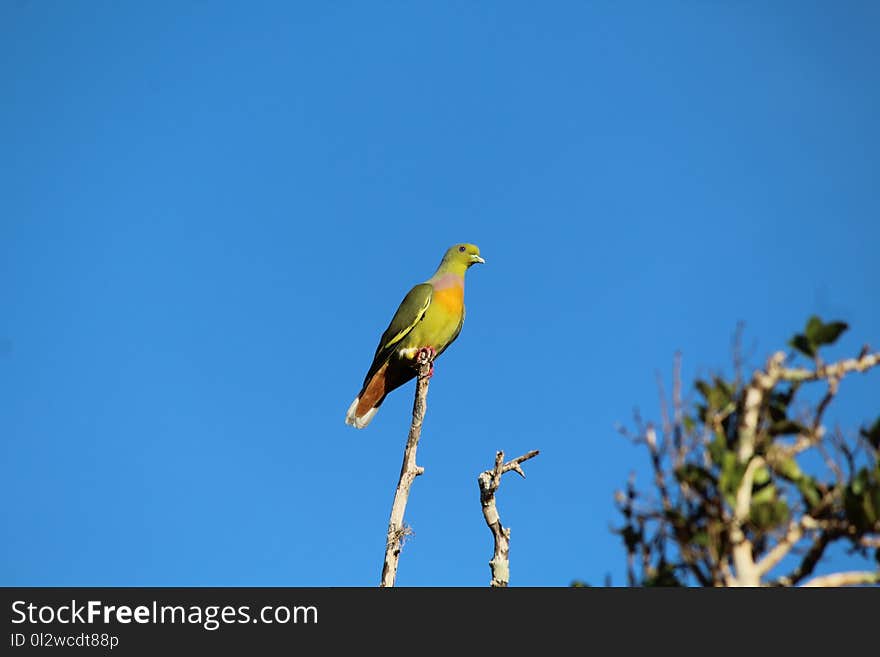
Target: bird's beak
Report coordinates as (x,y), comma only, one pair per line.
(475,259)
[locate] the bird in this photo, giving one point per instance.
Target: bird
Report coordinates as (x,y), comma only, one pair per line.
(428,319)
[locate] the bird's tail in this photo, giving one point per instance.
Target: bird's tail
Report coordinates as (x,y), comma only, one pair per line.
(359,421)
(365,405)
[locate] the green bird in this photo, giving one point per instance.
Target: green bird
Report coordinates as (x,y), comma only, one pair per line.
(429,318)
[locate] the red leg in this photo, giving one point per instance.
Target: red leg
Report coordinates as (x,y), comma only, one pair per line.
(427,354)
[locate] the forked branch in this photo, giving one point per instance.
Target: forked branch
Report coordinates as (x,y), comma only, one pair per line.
(489,482)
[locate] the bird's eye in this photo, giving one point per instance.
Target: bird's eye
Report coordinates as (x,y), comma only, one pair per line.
(461,249)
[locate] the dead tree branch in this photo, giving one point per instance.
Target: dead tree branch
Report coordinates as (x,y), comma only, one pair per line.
(489,482)
(408,472)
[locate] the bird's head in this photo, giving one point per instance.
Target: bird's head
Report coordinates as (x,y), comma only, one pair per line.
(461,256)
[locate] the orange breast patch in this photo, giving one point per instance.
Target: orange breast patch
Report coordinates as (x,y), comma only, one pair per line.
(450,298)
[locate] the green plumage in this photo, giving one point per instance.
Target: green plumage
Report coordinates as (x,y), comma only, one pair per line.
(430,316)
(410,312)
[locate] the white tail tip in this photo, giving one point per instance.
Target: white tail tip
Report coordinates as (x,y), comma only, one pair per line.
(354,420)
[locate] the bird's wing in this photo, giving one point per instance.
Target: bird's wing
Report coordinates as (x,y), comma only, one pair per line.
(410,312)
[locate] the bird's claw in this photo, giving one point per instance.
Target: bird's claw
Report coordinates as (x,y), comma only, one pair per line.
(426,355)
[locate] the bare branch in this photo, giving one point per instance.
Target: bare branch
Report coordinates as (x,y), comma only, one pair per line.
(852,578)
(832,370)
(664,406)
(678,412)
(489,482)
(762,382)
(408,473)
(666,500)
(738,357)
(513,464)
(801,444)
(830,463)
(743,560)
(808,563)
(659,480)
(646,548)
(833,384)
(630,568)
(794,534)
(744,492)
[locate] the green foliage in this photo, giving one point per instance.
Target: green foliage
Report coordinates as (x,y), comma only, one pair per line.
(821,334)
(718,448)
(779,401)
(787,467)
(769,513)
(696,476)
(802,344)
(786,427)
(664,576)
(731,474)
(817,334)
(718,397)
(862,500)
(810,491)
(872,434)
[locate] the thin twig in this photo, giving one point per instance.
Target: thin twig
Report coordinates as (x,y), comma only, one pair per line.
(677,412)
(738,358)
(665,420)
(408,472)
(833,385)
(489,482)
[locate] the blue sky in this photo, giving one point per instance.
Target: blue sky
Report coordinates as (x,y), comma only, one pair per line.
(210,211)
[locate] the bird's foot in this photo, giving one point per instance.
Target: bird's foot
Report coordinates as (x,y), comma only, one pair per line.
(426,355)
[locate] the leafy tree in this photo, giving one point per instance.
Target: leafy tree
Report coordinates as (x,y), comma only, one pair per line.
(749,487)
